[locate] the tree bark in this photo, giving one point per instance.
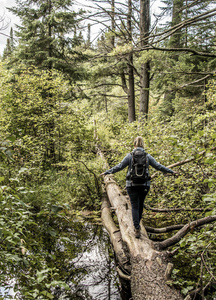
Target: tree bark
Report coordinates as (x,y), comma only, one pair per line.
(144,92)
(145,67)
(123,261)
(141,261)
(131,91)
(113,23)
(148,266)
(175,40)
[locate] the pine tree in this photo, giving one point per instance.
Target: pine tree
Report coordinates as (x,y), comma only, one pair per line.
(9,46)
(180,74)
(46,33)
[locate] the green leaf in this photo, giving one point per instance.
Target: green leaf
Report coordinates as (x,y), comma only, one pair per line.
(48,295)
(52,232)
(41,275)
(22,170)
(210,213)
(11,138)
(56,208)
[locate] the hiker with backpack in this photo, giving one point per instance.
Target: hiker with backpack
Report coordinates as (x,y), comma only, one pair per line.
(138,178)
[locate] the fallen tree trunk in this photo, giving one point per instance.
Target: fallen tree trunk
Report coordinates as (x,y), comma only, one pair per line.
(150,268)
(141,261)
(116,239)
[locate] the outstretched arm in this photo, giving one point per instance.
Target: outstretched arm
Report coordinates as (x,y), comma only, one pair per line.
(159,167)
(123,164)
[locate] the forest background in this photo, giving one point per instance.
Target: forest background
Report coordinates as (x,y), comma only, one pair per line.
(63,94)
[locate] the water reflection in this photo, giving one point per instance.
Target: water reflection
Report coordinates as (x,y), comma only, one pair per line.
(83,258)
(99,279)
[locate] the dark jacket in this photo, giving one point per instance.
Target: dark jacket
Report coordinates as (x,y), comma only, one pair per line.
(126,162)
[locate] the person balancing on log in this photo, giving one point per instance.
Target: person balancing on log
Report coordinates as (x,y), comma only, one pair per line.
(138,178)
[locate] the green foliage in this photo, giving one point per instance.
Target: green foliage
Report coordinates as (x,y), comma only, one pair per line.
(189,136)
(40,188)
(18,226)
(35,223)
(47,36)
(47,149)
(195,262)
(35,110)
(37,244)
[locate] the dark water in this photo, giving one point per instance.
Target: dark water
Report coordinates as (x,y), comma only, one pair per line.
(100,281)
(87,267)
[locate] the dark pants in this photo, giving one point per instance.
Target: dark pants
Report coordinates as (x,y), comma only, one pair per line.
(137,196)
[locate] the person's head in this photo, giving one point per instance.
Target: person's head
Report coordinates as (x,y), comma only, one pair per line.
(138,142)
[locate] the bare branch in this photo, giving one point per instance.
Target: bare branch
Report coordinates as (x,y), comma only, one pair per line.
(204,262)
(97,183)
(164,229)
(109,95)
(165,34)
(4,23)
(183,231)
(151,47)
(194,82)
(179,209)
(107,84)
(180,163)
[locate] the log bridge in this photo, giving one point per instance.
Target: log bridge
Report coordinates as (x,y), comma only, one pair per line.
(145,264)
(138,260)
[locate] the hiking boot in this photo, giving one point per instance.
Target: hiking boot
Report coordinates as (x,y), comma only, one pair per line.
(137,233)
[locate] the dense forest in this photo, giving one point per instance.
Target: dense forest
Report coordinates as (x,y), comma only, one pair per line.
(76,77)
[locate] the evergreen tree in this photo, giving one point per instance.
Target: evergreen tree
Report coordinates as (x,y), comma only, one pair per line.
(46,34)
(9,46)
(179,74)
(117,38)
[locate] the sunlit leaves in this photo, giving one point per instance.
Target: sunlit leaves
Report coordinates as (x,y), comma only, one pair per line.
(39,117)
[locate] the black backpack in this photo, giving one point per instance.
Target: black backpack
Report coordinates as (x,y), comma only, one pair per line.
(139,167)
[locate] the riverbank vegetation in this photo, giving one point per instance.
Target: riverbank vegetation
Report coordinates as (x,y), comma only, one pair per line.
(62,98)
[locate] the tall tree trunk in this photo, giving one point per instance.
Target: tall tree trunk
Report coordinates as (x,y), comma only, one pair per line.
(145,67)
(50,36)
(113,23)
(144,92)
(89,36)
(175,40)
(51,125)
(131,92)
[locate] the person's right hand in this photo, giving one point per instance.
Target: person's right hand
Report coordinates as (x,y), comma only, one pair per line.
(176,173)
(102,174)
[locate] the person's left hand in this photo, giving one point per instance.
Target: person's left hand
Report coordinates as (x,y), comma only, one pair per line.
(102,174)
